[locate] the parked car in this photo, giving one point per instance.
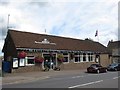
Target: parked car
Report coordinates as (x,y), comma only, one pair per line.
(96,68)
(114,67)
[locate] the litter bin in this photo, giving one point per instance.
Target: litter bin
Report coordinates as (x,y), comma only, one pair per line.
(6,66)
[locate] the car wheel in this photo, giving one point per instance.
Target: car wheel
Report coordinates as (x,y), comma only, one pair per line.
(106,70)
(98,71)
(115,69)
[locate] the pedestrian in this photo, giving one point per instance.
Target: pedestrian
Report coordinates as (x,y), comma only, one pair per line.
(46,65)
(51,64)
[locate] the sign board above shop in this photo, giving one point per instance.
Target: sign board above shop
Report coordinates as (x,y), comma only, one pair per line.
(45,41)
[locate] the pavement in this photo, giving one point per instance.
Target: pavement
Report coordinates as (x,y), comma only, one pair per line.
(14,78)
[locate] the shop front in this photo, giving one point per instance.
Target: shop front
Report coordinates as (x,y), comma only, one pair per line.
(32,50)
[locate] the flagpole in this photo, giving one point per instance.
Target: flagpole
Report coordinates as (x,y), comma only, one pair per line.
(98,35)
(45,30)
(98,38)
(8,22)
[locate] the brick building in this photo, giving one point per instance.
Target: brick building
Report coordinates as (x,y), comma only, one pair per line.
(114,50)
(77,53)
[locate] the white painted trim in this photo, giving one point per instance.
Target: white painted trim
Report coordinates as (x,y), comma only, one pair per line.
(81,57)
(77,62)
(30,64)
(26,62)
(87,60)
(65,62)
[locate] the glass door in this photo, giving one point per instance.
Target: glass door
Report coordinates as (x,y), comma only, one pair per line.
(50,59)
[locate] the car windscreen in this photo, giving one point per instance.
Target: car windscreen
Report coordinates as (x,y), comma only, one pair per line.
(114,64)
(96,65)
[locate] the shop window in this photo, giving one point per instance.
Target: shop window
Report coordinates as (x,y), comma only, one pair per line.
(84,57)
(30,60)
(21,62)
(76,53)
(66,57)
(89,57)
(77,57)
(65,53)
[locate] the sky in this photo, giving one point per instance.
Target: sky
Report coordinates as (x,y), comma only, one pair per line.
(78,19)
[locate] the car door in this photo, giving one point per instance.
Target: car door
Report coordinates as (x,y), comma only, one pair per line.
(99,67)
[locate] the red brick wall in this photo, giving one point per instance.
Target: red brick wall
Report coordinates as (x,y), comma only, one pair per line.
(27,69)
(74,66)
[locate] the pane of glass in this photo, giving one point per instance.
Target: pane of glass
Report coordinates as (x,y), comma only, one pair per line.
(84,58)
(65,53)
(65,59)
(91,58)
(76,53)
(76,59)
(30,61)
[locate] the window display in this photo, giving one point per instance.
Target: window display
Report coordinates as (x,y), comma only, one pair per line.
(15,62)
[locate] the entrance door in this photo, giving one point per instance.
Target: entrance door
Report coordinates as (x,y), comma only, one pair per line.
(51,58)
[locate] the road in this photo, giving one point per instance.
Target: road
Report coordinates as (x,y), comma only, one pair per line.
(82,80)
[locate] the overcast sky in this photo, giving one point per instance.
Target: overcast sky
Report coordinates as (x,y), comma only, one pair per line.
(69,18)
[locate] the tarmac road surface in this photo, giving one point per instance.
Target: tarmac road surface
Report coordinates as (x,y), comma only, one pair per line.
(77,80)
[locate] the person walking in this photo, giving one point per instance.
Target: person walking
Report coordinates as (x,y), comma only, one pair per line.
(46,65)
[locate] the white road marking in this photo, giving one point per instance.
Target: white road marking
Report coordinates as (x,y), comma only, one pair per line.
(116,77)
(96,74)
(77,76)
(86,84)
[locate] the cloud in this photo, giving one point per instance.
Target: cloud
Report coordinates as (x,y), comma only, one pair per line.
(89,18)
(74,18)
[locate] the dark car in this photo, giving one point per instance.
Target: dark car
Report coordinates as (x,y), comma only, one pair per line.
(114,67)
(96,68)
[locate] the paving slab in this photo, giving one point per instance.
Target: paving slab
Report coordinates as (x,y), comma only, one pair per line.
(13,78)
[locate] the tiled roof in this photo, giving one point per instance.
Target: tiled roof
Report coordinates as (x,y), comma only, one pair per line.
(27,40)
(113,45)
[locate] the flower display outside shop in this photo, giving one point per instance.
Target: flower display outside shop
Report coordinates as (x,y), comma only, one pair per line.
(39,59)
(60,58)
(22,54)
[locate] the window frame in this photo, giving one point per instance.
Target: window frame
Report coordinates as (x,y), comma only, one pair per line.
(78,56)
(66,56)
(26,61)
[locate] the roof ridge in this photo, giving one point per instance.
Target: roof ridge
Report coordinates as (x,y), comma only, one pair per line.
(27,39)
(45,34)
